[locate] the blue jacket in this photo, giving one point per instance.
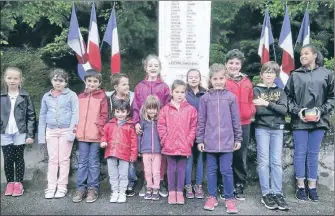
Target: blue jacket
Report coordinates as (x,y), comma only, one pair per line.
(149,141)
(58,112)
(194,99)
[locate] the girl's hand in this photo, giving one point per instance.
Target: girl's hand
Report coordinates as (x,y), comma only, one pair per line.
(260,102)
(138,129)
(201,147)
(318,115)
(237,146)
(301,115)
(103,144)
(29,141)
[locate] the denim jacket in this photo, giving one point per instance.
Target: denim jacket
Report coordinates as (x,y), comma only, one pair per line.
(58,112)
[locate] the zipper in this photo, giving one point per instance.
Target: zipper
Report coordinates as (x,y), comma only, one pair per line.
(88,103)
(117,139)
(152,136)
(217,93)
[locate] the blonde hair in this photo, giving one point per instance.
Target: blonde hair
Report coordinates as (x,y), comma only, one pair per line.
(3,82)
(145,64)
(216,68)
(152,102)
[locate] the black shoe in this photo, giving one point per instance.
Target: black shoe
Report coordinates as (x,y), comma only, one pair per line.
(313,195)
(239,192)
(130,192)
(279,199)
(162,190)
(269,202)
(301,194)
(221,191)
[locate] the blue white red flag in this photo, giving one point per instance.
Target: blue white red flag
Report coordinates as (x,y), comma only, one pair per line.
(266,39)
(304,33)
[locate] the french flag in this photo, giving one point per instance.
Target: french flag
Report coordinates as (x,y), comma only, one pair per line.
(75,39)
(304,33)
(285,42)
(266,39)
(93,49)
(111,37)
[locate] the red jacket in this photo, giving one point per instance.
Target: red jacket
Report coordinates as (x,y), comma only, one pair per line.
(176,129)
(244,94)
(121,140)
(93,115)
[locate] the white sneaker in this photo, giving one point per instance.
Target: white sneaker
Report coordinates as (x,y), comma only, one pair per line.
(114,197)
(122,198)
(49,193)
(60,193)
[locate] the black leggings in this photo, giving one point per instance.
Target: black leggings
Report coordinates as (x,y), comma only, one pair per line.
(13,154)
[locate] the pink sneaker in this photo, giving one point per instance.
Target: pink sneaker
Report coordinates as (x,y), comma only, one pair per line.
(210,203)
(231,206)
(9,189)
(18,189)
(172,199)
(180,198)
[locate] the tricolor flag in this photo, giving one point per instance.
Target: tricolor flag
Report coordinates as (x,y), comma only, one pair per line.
(266,39)
(285,42)
(75,39)
(111,37)
(304,32)
(93,50)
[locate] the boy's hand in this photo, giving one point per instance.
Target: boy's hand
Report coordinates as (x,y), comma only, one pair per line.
(237,146)
(103,144)
(29,141)
(260,102)
(201,147)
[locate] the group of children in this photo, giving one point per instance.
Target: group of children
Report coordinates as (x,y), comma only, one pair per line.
(170,129)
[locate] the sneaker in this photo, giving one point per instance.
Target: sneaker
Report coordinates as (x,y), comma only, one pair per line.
(162,190)
(143,190)
(92,195)
(17,189)
(79,196)
(49,193)
(269,201)
(172,197)
(60,193)
(180,197)
(122,198)
(221,192)
(301,194)
(239,192)
(114,197)
(198,191)
(189,191)
(210,203)
(279,199)
(155,194)
(313,195)
(148,194)
(231,206)
(9,189)
(130,191)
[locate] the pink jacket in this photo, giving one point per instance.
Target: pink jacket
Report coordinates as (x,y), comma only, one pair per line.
(176,129)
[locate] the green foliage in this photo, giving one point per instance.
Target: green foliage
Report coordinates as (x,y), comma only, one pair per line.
(329,63)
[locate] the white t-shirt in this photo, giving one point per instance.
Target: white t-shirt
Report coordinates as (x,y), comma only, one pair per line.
(11,126)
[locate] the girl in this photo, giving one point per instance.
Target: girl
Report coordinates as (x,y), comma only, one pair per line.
(177,123)
(219,134)
(193,93)
(17,128)
(93,115)
(151,85)
(149,146)
(120,141)
(241,86)
(120,83)
(58,118)
(271,108)
(309,89)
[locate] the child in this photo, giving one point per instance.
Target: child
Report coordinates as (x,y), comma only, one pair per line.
(149,146)
(59,115)
(93,115)
(120,141)
(219,134)
(193,93)
(271,108)
(120,83)
(241,86)
(309,87)
(17,128)
(152,84)
(177,123)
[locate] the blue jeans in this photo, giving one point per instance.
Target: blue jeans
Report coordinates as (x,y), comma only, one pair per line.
(88,176)
(199,173)
(306,150)
(132,178)
(269,153)
(225,162)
